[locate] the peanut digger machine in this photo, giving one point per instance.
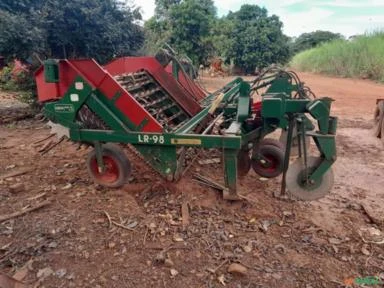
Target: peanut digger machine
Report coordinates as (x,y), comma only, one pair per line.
(153,106)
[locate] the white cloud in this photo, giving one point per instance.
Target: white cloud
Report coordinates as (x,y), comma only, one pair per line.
(300,22)
(320,15)
(352,3)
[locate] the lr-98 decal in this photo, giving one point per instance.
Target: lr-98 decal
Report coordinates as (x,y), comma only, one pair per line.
(151,139)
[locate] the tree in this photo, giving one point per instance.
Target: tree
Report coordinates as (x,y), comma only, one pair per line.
(19,38)
(191,22)
(257,39)
(100,29)
(310,40)
(185,25)
(163,7)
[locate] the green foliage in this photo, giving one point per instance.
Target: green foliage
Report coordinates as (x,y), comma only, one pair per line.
(100,29)
(310,40)
(222,39)
(249,38)
(19,37)
(185,25)
(157,32)
(6,81)
(190,25)
(163,7)
(257,39)
(82,28)
(361,57)
(21,82)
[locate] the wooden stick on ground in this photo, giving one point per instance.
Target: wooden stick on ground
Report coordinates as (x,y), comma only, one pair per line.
(122,226)
(15,173)
(47,149)
(109,218)
(42,140)
(21,213)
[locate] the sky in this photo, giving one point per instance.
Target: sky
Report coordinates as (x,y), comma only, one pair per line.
(348,17)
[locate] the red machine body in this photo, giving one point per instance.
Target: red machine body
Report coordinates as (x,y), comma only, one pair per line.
(106,80)
(188,84)
(128,65)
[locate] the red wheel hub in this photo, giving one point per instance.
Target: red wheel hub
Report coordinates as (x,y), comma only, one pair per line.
(111,170)
(272,164)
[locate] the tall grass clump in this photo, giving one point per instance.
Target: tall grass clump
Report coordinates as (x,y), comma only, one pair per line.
(362,57)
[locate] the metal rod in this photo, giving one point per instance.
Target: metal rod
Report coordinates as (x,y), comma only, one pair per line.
(287,154)
(304,148)
(213,123)
(99,156)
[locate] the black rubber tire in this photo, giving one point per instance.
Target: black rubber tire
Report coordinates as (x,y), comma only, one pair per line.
(122,166)
(378,118)
(243,163)
(273,142)
(273,153)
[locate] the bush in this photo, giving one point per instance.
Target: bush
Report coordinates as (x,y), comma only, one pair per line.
(361,57)
(21,82)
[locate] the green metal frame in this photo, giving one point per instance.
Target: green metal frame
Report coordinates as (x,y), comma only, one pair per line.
(279,110)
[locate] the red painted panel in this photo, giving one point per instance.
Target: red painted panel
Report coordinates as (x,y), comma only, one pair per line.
(191,86)
(128,104)
(99,78)
(90,70)
(188,84)
(133,64)
(45,91)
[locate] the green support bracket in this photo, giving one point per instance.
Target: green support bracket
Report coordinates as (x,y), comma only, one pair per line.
(64,111)
(244,103)
(320,110)
(230,174)
(51,71)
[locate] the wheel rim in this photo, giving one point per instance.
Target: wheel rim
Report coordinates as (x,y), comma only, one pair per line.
(308,192)
(308,186)
(272,164)
(111,172)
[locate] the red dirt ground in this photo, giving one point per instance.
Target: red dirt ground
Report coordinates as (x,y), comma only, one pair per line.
(282,243)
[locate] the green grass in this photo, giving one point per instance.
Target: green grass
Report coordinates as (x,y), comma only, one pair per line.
(362,57)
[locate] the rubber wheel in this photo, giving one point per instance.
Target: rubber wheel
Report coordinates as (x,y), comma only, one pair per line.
(117,167)
(378,119)
(308,192)
(243,163)
(275,157)
(273,142)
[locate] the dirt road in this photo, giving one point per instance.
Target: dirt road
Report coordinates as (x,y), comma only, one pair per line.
(73,242)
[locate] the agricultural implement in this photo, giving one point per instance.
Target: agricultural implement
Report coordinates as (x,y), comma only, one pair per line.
(161,113)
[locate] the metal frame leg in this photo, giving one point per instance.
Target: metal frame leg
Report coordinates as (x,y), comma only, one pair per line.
(230,172)
(287,154)
(99,156)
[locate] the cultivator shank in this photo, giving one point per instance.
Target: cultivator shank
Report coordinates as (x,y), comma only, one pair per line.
(139,102)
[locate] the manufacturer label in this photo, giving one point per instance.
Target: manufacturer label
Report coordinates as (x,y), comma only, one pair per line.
(151,139)
(186,141)
(64,108)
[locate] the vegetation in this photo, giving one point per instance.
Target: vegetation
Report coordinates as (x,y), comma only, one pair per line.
(21,82)
(249,37)
(361,57)
(185,25)
(100,29)
(257,40)
(310,40)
